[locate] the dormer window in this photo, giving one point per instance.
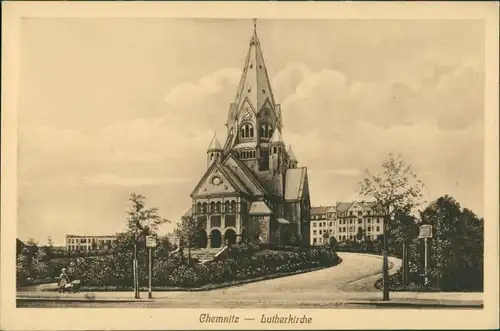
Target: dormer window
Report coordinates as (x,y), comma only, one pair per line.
(246,131)
(266,131)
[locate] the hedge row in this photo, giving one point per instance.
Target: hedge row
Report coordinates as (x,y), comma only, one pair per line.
(116,269)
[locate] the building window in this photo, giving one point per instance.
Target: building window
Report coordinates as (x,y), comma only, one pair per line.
(331,231)
(315,240)
(369,229)
(350,213)
(378,228)
(217,207)
(360,221)
(314,225)
(315,232)
(378,220)
(330,224)
(204,207)
(350,221)
(360,213)
(230,220)
(215,221)
(248,154)
(246,131)
(212,207)
(266,131)
(369,220)
(368,212)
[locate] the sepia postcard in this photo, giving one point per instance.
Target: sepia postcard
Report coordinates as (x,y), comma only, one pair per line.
(210,166)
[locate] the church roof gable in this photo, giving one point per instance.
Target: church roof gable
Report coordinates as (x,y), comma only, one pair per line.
(227,182)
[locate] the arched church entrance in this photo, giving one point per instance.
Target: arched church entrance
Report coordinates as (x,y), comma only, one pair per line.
(215,240)
(201,239)
(230,236)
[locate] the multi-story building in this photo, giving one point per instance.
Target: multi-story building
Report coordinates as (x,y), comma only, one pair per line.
(88,243)
(355,217)
(323,220)
(253,188)
(344,221)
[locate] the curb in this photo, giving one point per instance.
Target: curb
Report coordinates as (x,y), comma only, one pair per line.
(419,304)
(35,299)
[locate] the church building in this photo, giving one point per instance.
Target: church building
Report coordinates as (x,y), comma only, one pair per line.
(253,189)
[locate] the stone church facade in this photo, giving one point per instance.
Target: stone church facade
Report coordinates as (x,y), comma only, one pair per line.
(253,189)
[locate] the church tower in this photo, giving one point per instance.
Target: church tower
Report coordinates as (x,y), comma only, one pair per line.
(252,188)
(214,151)
(277,154)
(253,115)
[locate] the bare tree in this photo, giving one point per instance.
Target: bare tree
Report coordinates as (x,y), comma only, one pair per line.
(395,189)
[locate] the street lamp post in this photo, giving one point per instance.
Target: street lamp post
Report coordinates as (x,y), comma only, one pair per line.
(385,266)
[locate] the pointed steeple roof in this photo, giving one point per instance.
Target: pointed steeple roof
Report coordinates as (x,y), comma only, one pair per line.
(291,154)
(276,138)
(254,84)
(215,144)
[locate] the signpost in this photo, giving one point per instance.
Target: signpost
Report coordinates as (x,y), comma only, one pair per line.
(150,244)
(425,232)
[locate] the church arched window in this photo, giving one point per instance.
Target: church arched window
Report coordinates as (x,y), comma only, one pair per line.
(217,207)
(266,131)
(204,207)
(246,131)
(198,207)
(226,206)
(212,207)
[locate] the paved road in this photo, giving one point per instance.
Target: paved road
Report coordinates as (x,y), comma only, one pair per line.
(357,272)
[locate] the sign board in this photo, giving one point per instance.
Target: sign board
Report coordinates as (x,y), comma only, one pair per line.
(425,231)
(150,241)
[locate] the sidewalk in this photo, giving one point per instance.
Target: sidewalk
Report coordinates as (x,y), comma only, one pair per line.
(369,298)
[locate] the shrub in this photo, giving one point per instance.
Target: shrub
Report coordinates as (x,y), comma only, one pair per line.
(116,269)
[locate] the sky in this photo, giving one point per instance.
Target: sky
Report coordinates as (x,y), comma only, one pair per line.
(108,107)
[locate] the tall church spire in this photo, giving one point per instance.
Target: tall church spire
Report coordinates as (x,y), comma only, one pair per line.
(254,83)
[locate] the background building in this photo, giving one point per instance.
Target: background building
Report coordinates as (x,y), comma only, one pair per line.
(358,217)
(344,221)
(323,220)
(88,243)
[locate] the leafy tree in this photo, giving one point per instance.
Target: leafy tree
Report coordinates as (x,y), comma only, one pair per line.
(395,189)
(189,232)
(32,262)
(141,222)
(333,242)
(456,249)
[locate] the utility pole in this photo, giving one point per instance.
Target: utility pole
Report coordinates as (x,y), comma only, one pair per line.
(385,264)
(136,269)
(150,243)
(426,280)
